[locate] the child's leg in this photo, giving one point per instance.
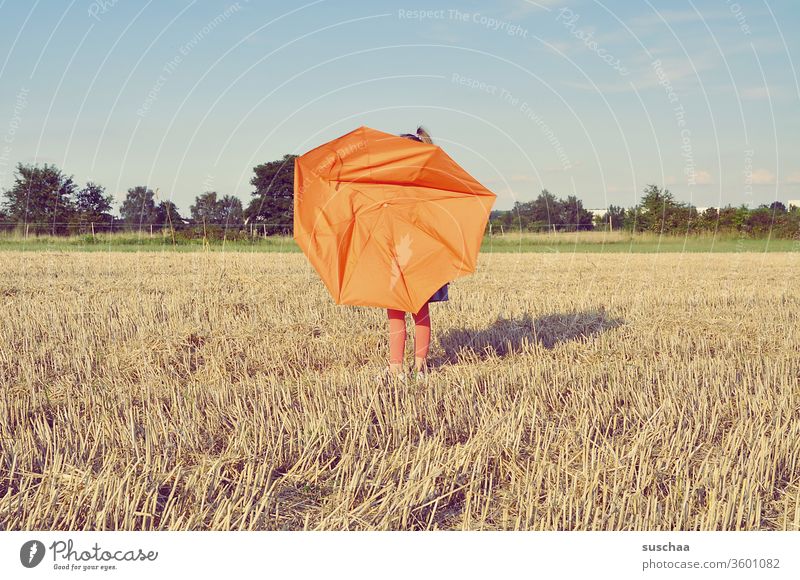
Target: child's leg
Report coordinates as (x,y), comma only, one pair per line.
(397,337)
(422,336)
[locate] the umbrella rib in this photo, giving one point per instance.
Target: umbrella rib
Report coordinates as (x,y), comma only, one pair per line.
(400,271)
(405,284)
(416,184)
(348,273)
(443,242)
(360,191)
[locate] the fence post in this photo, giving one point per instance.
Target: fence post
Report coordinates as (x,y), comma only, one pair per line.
(92,231)
(26,230)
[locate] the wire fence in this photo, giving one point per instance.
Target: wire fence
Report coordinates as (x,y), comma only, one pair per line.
(253,229)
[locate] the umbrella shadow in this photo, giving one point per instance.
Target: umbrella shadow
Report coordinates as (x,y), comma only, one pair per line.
(509,335)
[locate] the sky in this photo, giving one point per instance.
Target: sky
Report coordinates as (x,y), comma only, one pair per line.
(587,98)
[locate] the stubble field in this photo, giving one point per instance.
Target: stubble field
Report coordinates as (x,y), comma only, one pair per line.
(217,391)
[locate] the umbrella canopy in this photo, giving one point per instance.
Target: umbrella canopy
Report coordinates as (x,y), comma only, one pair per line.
(386,221)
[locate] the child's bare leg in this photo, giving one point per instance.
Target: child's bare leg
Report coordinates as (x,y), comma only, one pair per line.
(397,339)
(422,337)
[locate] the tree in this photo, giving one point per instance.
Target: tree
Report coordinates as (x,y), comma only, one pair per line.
(541,214)
(216,216)
(632,220)
(206,209)
(759,221)
(679,218)
(230,211)
(41,198)
(139,207)
(519,216)
(778,207)
(615,216)
(659,212)
(167,215)
(546,210)
(502,220)
(546,213)
(92,205)
(727,218)
(732,219)
(273,199)
(574,217)
(707,221)
(655,206)
(787,225)
(740,215)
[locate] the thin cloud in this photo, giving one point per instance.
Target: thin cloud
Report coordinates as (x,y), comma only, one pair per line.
(519,9)
(561,169)
(792,178)
(763,177)
(513,181)
(557,46)
(677,71)
(703,177)
(761,93)
(762,45)
(676,17)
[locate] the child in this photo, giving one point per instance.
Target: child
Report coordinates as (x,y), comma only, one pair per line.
(422,322)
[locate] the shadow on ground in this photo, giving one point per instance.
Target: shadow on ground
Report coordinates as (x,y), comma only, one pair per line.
(506,336)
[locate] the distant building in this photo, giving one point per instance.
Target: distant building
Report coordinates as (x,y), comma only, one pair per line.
(598,212)
(793,203)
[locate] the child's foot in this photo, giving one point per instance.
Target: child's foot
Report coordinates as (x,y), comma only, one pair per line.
(392,372)
(421,370)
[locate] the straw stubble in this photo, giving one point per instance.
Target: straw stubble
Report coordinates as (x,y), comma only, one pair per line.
(568,392)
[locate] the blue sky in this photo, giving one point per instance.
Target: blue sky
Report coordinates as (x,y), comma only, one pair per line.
(596,99)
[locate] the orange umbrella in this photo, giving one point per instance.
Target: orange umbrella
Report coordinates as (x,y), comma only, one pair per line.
(386,221)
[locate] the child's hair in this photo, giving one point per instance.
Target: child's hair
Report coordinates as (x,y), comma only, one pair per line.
(421,135)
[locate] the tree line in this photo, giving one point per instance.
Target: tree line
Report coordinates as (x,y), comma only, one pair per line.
(44,200)
(657,212)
